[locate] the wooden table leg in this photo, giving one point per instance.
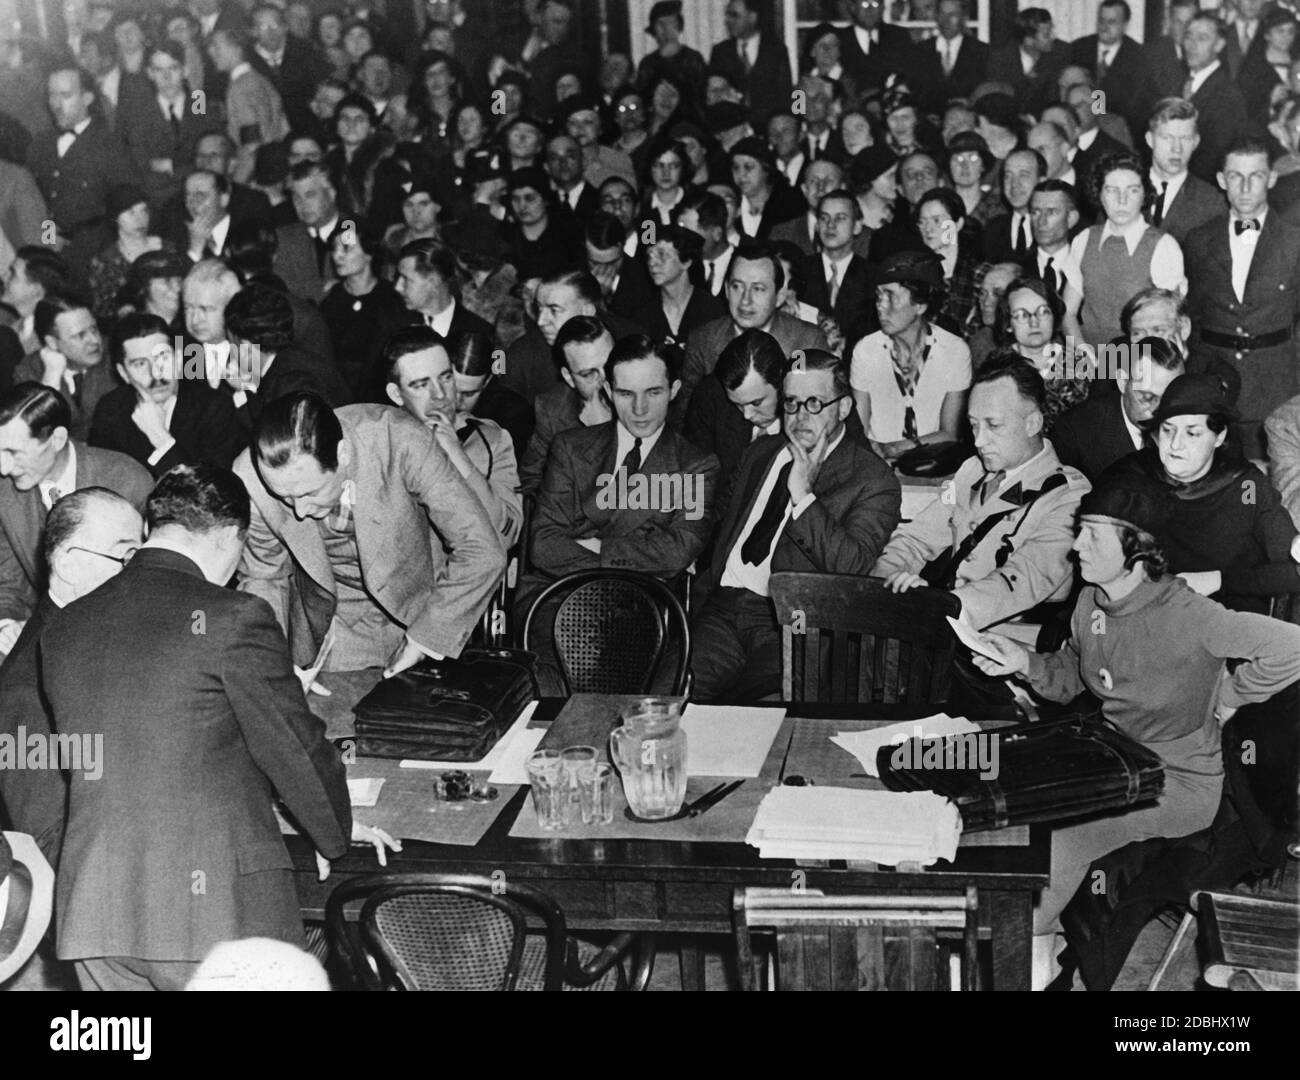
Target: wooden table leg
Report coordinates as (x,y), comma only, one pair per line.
(691,958)
(1011,922)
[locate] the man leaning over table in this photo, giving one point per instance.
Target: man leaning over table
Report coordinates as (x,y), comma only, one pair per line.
(348,507)
(999,536)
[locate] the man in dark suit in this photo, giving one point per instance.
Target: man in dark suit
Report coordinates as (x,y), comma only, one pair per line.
(754,283)
(810,499)
(264,364)
(1030,65)
(1221,109)
(1183,201)
(580,400)
(564,166)
(302,257)
(88,536)
(71,358)
(871,50)
(1095,434)
(837,280)
(953,62)
(290,65)
(214,153)
(1010,237)
(42,464)
(121,665)
(1162,57)
(352,511)
(1244,296)
(1093,144)
(1115,61)
(75,166)
(624,281)
(549,51)
(163,415)
(755,61)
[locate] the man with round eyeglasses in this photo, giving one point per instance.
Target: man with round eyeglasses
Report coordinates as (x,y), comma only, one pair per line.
(809,499)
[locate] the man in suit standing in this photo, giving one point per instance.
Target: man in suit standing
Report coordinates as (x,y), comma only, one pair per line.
(1093,143)
(165,639)
(1115,61)
(837,280)
(1106,427)
(1244,298)
(89,535)
(1001,543)
(1162,57)
(820,177)
(42,464)
(163,415)
(290,65)
(302,257)
(955,63)
(810,499)
(871,50)
(75,166)
(348,508)
(1183,201)
(1030,65)
(565,168)
(753,60)
(71,357)
(1010,237)
(160,128)
(254,112)
(755,279)
(1220,107)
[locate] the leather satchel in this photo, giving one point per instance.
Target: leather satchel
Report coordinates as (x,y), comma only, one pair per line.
(1043,771)
(447,710)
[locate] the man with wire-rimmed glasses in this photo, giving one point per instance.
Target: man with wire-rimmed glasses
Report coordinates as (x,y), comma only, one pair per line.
(90,535)
(808,499)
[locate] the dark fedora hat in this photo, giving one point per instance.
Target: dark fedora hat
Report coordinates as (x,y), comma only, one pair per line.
(911,267)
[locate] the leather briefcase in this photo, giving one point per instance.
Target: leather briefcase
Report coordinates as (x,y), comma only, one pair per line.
(447,710)
(1043,771)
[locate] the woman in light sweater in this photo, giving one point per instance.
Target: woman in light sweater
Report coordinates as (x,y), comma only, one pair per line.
(1153,651)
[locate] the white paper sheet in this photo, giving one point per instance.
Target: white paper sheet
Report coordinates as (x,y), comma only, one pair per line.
(492,759)
(974,640)
(865,745)
(727,740)
(365,791)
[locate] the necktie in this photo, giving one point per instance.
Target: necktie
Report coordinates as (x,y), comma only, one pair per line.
(836,269)
(1246,225)
(709,283)
(1050,278)
(991,483)
(174,116)
(1188,87)
(1022,237)
(65,142)
(1103,65)
(1158,211)
(947,58)
(758,544)
(632,463)
(322,251)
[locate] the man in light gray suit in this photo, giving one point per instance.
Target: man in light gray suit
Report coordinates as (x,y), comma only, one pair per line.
(754,282)
(343,504)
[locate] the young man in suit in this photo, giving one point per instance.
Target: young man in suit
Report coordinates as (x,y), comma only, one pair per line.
(837,280)
(1010,237)
(290,65)
(1114,60)
(123,663)
(755,279)
(361,523)
(954,62)
(42,464)
(565,167)
(264,363)
(1014,483)
(89,535)
(1030,65)
(1221,109)
(70,359)
(820,177)
(1162,57)
(1183,201)
(159,123)
(809,499)
(755,61)
(870,49)
(1244,296)
(164,414)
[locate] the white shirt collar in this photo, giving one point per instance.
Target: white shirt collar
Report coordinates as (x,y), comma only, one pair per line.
(1198,80)
(1027,62)
(441,323)
(943,44)
(1175,185)
(866,38)
(274,59)
(239,69)
(324,232)
(625,440)
(65,481)
(1132,234)
(1134,432)
(1087,138)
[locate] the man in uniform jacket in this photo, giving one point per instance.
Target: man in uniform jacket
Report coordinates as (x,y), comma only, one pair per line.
(810,499)
(175,847)
(34,426)
(1001,541)
(347,530)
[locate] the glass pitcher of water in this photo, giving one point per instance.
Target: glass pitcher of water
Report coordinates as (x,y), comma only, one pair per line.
(650,752)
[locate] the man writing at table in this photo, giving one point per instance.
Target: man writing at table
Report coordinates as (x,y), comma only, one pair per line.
(349,506)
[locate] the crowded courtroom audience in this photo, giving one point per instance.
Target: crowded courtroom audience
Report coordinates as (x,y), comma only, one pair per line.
(373,332)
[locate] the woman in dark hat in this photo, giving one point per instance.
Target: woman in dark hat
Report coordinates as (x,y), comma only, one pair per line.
(128,210)
(153,285)
(766,199)
(1154,653)
(1229,535)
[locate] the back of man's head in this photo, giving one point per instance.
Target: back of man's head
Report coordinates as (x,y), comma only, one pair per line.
(198,499)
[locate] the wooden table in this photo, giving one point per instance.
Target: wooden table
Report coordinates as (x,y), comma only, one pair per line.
(678,887)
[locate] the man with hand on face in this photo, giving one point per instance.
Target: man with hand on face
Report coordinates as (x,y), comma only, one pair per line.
(70,359)
(207,216)
(809,499)
(422,381)
(162,416)
(41,464)
(351,511)
(1001,543)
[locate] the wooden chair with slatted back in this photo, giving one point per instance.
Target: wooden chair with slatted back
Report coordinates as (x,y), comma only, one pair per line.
(855,942)
(846,638)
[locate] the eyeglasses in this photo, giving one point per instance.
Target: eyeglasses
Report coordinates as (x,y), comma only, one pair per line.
(121,560)
(791,405)
(631,106)
(1023,315)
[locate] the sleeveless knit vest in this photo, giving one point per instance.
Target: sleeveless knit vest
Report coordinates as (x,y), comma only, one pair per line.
(1111,277)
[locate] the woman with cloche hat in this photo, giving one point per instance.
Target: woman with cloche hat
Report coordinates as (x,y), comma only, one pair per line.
(1155,653)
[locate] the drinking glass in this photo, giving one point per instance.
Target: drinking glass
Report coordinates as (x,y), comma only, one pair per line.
(595,793)
(576,758)
(550,788)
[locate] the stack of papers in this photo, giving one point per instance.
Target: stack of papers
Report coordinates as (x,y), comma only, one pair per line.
(885,827)
(865,745)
